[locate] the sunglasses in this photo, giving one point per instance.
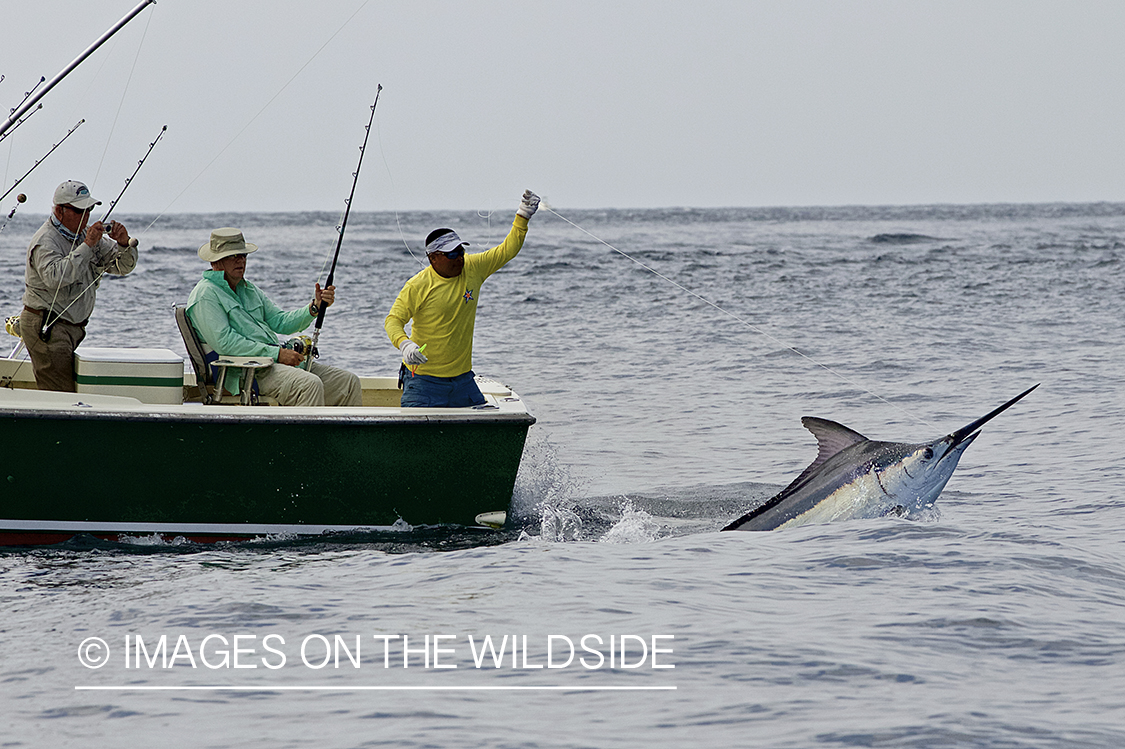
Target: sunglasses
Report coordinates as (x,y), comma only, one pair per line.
(452,254)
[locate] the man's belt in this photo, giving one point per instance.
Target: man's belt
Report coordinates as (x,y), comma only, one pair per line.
(42,312)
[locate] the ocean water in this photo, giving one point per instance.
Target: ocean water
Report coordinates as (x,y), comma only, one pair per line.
(669,356)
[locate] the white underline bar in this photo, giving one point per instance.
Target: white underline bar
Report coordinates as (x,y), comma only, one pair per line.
(263,688)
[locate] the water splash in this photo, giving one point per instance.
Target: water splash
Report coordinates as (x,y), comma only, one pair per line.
(154,539)
(545,492)
(634,527)
(559,524)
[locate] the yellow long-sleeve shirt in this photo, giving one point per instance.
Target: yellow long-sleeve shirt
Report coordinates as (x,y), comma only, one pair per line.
(444,310)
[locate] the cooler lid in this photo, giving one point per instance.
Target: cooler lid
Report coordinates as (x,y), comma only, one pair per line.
(133,355)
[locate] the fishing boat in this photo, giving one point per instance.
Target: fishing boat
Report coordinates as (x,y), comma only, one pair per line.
(148,446)
(136,452)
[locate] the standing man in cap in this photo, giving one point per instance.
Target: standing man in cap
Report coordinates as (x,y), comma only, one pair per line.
(442,299)
(236,319)
(65,263)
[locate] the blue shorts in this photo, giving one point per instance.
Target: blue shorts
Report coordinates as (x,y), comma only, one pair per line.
(424,391)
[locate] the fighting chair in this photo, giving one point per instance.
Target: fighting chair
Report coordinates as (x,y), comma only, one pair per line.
(211,369)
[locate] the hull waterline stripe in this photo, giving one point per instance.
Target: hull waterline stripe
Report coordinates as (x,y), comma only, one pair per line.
(78,526)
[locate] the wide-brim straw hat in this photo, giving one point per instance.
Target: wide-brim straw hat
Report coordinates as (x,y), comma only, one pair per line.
(224,243)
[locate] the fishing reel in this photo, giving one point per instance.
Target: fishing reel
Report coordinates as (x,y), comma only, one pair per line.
(302,344)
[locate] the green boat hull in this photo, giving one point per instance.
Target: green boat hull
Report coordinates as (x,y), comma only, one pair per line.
(220,473)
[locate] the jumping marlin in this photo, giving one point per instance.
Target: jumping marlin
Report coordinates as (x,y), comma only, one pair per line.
(854,477)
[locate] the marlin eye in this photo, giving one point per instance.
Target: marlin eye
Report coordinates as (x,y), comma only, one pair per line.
(928,453)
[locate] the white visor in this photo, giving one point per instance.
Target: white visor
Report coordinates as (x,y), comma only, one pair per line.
(445,243)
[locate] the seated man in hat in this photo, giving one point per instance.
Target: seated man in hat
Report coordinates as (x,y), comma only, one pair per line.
(236,319)
(441,299)
(65,262)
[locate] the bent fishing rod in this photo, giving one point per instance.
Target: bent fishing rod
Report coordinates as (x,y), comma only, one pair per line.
(19,111)
(343,226)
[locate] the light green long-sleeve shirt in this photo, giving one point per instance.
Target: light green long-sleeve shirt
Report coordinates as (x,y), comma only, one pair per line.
(242,322)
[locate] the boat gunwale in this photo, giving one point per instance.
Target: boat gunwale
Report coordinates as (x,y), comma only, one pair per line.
(249,415)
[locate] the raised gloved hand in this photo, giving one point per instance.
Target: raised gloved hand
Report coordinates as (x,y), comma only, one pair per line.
(529,204)
(412,353)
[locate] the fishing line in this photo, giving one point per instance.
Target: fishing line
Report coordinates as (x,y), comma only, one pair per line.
(394,195)
(133,242)
(124,93)
(255,117)
(745,322)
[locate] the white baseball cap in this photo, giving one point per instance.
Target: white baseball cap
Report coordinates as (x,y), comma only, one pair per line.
(75,194)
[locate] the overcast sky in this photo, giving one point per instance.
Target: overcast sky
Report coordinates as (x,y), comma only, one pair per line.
(591,104)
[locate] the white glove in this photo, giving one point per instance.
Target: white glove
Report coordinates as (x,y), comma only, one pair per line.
(529,204)
(412,354)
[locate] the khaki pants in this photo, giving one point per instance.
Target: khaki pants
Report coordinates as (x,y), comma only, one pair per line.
(51,360)
(321,386)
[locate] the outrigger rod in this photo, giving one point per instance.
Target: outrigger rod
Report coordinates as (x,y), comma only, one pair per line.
(343,226)
(19,111)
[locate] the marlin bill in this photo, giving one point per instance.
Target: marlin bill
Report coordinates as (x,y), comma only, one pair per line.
(855,477)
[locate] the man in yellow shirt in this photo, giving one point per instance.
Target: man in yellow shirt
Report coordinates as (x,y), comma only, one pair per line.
(441,299)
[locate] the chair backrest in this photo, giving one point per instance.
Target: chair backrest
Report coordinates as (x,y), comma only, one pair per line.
(197,353)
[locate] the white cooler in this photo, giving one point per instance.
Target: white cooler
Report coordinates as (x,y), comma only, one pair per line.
(151,375)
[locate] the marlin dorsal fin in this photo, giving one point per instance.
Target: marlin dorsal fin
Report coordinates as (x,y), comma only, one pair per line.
(831,438)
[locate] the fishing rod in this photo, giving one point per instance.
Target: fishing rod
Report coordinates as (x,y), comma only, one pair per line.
(26,94)
(132,243)
(28,104)
(113,203)
(37,163)
(343,226)
(17,125)
(21,197)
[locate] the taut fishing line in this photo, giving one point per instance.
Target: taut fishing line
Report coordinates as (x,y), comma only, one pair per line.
(394,194)
(256,116)
(741,320)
